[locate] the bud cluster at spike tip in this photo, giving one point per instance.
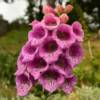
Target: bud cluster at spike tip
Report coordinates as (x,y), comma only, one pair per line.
(48,58)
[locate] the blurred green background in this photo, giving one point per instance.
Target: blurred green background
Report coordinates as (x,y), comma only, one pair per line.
(14,34)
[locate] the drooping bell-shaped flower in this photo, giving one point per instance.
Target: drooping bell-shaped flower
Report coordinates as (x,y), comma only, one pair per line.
(50,50)
(78,31)
(29,52)
(38,34)
(51,21)
(75,53)
(69,84)
(51,80)
(21,66)
(37,66)
(33,23)
(24,83)
(64,35)
(63,66)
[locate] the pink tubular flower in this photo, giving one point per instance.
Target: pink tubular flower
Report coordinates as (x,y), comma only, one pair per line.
(34,22)
(64,35)
(51,53)
(51,80)
(38,34)
(29,52)
(63,66)
(69,84)
(48,9)
(21,66)
(64,18)
(50,50)
(50,21)
(78,31)
(24,83)
(68,8)
(37,66)
(75,54)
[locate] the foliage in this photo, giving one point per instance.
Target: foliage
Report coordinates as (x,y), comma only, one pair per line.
(9,48)
(7,67)
(88,72)
(88,93)
(83,93)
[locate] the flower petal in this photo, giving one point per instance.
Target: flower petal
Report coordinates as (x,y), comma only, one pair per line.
(75,53)
(69,84)
(63,66)
(34,22)
(38,34)
(50,50)
(37,66)
(50,21)
(29,52)
(51,80)
(21,66)
(78,31)
(64,35)
(24,84)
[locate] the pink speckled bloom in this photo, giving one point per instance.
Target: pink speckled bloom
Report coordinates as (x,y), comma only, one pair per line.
(37,66)
(33,23)
(63,66)
(51,80)
(75,53)
(78,31)
(51,21)
(51,53)
(50,50)
(29,52)
(21,66)
(69,84)
(24,83)
(38,34)
(64,35)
